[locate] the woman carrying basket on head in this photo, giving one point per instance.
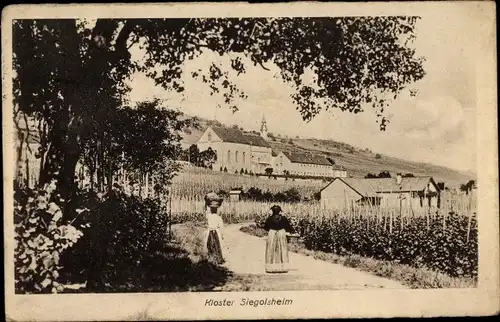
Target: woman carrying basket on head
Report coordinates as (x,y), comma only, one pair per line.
(276,246)
(213,235)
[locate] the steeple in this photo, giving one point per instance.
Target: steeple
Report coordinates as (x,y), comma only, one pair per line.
(263,127)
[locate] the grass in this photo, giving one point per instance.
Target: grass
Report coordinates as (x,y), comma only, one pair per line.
(176,267)
(413,277)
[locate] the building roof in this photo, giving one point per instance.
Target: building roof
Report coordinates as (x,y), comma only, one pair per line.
(256,140)
(229,134)
(233,135)
(407,184)
(361,186)
(370,187)
(307,158)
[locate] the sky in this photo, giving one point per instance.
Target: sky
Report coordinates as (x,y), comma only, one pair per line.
(436,126)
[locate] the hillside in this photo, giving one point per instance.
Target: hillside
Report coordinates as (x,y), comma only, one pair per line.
(357,162)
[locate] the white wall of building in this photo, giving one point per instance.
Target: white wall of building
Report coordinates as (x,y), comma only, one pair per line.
(337,173)
(338,195)
(282,163)
(232,156)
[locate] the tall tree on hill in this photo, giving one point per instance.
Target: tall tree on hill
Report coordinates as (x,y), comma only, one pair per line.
(468,186)
(71,76)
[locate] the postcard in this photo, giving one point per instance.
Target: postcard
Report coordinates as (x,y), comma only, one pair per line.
(213,161)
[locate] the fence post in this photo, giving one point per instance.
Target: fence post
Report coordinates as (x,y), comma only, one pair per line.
(390,221)
(469,220)
(444,222)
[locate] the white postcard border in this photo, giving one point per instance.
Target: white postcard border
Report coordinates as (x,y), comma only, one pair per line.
(306,304)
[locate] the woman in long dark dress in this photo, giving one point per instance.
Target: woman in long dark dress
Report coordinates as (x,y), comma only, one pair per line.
(213,235)
(277,247)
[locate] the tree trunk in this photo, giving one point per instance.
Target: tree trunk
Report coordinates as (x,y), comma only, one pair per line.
(61,160)
(67,176)
(19,155)
(110,176)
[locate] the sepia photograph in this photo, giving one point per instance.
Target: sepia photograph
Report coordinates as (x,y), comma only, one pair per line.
(208,161)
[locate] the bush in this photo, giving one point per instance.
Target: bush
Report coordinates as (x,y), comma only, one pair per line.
(291,195)
(378,156)
(413,244)
(41,236)
(123,231)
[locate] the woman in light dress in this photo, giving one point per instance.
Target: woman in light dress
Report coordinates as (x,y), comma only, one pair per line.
(213,235)
(276,246)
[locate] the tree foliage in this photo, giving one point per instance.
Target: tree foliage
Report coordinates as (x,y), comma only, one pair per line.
(71,77)
(140,139)
(468,186)
(383,174)
(203,159)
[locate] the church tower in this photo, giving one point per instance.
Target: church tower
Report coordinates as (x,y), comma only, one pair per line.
(263,127)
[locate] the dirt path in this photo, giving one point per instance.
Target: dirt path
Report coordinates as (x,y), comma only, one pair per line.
(245,258)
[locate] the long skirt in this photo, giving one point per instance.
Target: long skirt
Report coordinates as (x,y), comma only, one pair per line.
(276,252)
(214,248)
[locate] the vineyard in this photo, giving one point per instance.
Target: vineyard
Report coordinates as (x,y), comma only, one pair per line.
(443,240)
(196,182)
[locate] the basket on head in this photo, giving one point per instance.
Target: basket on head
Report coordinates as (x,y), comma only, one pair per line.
(213,200)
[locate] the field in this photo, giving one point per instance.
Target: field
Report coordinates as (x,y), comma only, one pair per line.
(442,240)
(194,183)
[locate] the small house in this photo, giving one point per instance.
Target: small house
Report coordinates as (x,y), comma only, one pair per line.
(414,192)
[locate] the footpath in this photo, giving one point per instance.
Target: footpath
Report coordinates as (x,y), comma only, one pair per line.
(244,256)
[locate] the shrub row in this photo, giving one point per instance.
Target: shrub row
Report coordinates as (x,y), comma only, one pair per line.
(416,242)
(291,195)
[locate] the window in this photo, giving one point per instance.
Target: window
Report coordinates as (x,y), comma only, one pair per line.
(209,136)
(236,157)
(229,156)
(243,157)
